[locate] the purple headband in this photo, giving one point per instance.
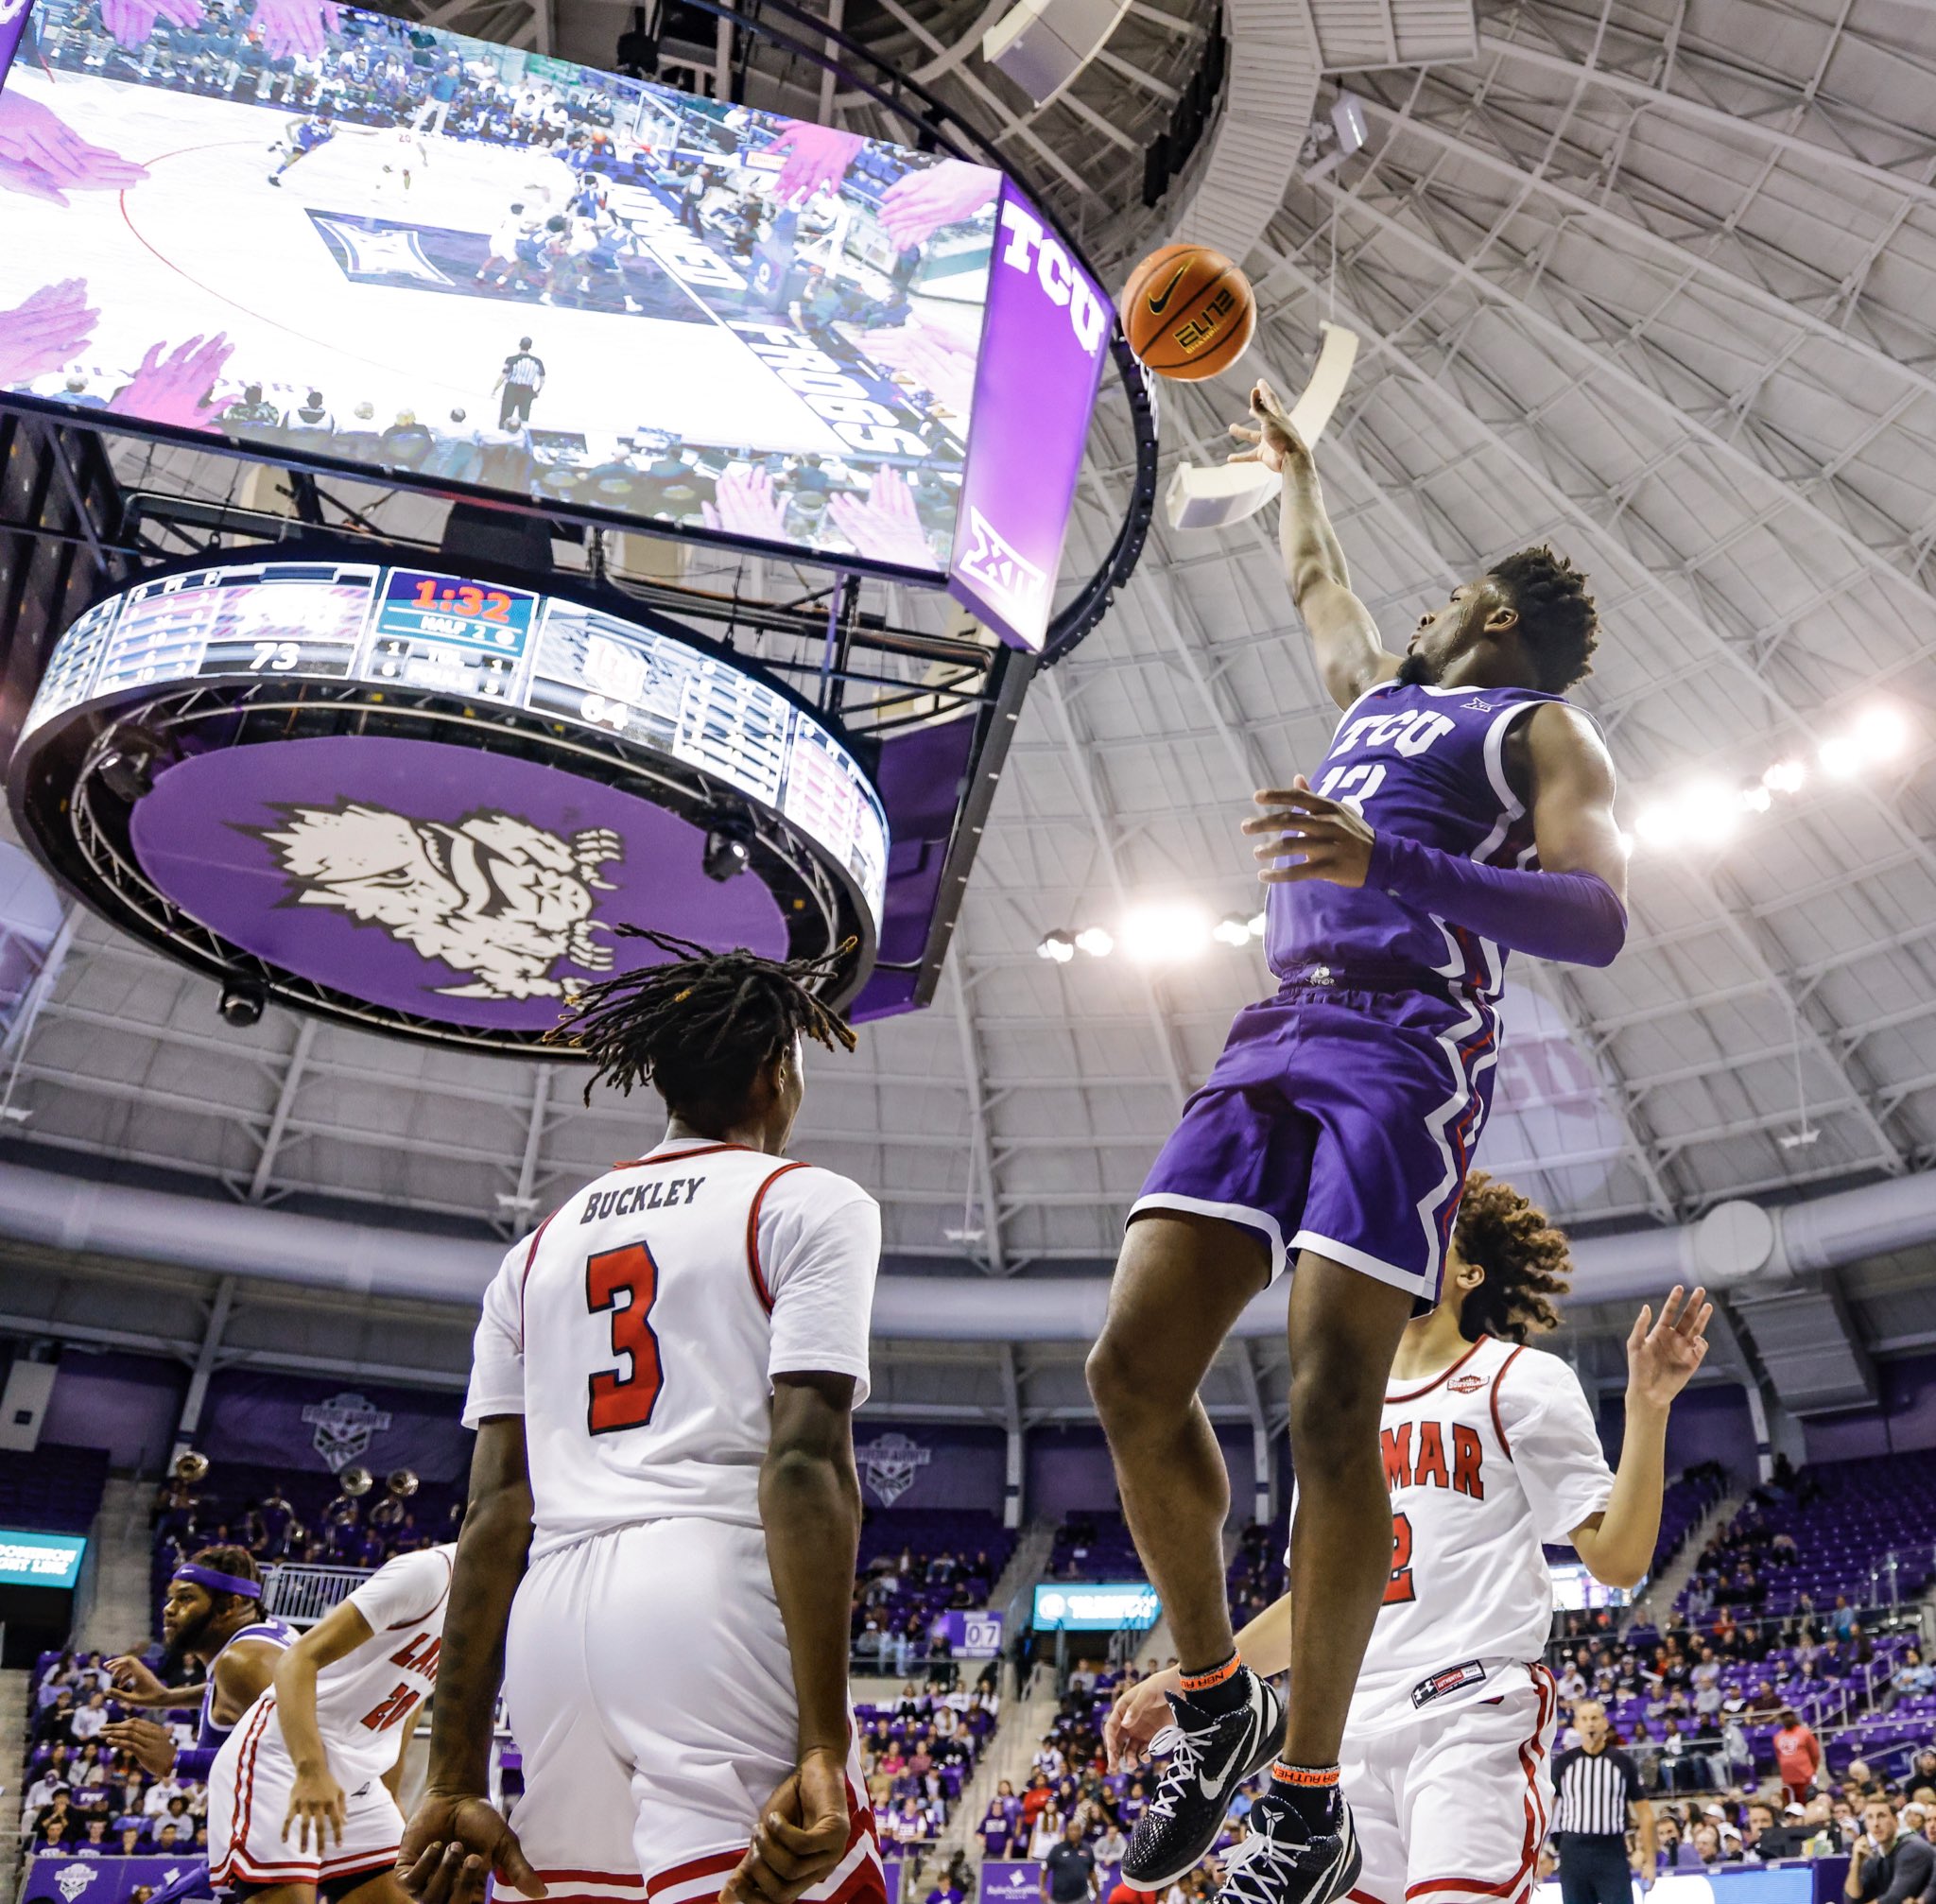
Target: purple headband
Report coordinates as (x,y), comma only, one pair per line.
(197,1575)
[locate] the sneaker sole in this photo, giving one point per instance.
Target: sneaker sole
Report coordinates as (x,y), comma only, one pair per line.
(1267,1750)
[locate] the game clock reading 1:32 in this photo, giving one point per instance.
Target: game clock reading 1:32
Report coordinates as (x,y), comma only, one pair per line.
(419,606)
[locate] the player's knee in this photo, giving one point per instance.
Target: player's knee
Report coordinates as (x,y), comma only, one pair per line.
(1130,1394)
(1335,1403)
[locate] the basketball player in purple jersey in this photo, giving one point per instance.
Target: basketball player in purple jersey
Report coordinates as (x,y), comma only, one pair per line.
(1465,807)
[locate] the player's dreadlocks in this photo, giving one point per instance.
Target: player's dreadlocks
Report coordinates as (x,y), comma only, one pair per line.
(1524,1258)
(1558,624)
(702,1027)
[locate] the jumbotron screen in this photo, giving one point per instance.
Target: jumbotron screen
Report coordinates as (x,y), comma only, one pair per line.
(350,239)
(421,629)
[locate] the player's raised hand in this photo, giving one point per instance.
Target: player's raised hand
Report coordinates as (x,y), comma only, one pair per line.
(179,388)
(817,156)
(133,1679)
(1140,1712)
(1661,1356)
(50,329)
(294,29)
(886,527)
(917,205)
(43,157)
(317,1799)
(453,1843)
(152,1745)
(1305,835)
(801,1835)
(1272,437)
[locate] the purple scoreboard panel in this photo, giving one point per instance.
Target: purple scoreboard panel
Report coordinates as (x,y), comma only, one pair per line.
(324,236)
(430,802)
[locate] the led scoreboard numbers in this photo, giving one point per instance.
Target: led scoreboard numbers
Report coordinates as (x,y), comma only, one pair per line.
(418,629)
(433,630)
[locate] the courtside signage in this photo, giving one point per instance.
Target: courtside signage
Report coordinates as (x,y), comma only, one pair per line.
(1096,1609)
(40,1559)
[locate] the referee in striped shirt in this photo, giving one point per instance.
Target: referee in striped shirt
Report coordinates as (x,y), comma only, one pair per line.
(1598,1786)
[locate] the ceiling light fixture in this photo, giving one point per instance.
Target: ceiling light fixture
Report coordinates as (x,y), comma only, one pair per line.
(1096,942)
(1163,933)
(1058,947)
(1232,929)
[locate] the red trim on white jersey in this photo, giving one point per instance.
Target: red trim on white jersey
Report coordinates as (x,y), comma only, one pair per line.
(753,1235)
(1530,1752)
(531,1258)
(1444,1374)
(677,1156)
(1499,1427)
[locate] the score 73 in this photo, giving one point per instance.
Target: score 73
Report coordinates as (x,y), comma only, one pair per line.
(277,656)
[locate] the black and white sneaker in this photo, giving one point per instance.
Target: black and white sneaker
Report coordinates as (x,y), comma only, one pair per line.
(1282,1861)
(1211,1754)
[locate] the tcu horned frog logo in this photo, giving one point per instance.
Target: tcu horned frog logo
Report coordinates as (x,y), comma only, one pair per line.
(493,895)
(344,1424)
(888,1462)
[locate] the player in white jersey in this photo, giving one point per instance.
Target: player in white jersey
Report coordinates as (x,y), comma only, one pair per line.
(663,1386)
(302,1799)
(1490,1450)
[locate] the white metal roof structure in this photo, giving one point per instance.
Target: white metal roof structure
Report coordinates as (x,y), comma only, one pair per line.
(1654,281)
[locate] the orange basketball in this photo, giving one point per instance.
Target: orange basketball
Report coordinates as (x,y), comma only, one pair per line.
(1189,312)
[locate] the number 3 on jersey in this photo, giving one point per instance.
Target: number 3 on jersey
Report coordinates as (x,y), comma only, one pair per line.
(1398,1589)
(626,1282)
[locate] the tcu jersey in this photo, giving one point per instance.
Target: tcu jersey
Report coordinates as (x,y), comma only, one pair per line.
(638,1329)
(1427,763)
(1485,1462)
(274,1632)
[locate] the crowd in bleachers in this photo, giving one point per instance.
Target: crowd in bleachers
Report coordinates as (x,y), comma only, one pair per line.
(919,1752)
(81,1795)
(916,1565)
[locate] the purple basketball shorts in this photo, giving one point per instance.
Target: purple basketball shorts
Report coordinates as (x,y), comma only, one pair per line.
(1340,1121)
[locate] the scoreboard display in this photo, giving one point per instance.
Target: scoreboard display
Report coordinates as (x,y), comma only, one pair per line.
(381,625)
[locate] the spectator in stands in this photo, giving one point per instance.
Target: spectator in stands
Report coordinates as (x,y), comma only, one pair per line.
(128,1843)
(55,1836)
(998,1823)
(1912,1675)
(1049,1829)
(38,1816)
(1707,1843)
(96,1843)
(1766,1701)
(90,1718)
(167,1838)
(55,1725)
(1797,1756)
(1888,1866)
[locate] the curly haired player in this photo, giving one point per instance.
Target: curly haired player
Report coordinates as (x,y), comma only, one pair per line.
(1465,808)
(1489,1450)
(663,1388)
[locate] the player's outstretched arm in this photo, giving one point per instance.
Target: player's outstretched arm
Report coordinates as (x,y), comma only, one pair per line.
(1141,1711)
(1350,655)
(1618,1543)
(811,1508)
(316,1798)
(456,1838)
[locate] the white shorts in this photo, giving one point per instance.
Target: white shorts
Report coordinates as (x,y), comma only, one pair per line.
(248,1788)
(650,1688)
(1453,1808)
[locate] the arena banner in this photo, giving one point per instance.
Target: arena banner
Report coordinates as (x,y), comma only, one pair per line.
(1010,1883)
(98,1881)
(1042,344)
(305,1426)
(1799,1883)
